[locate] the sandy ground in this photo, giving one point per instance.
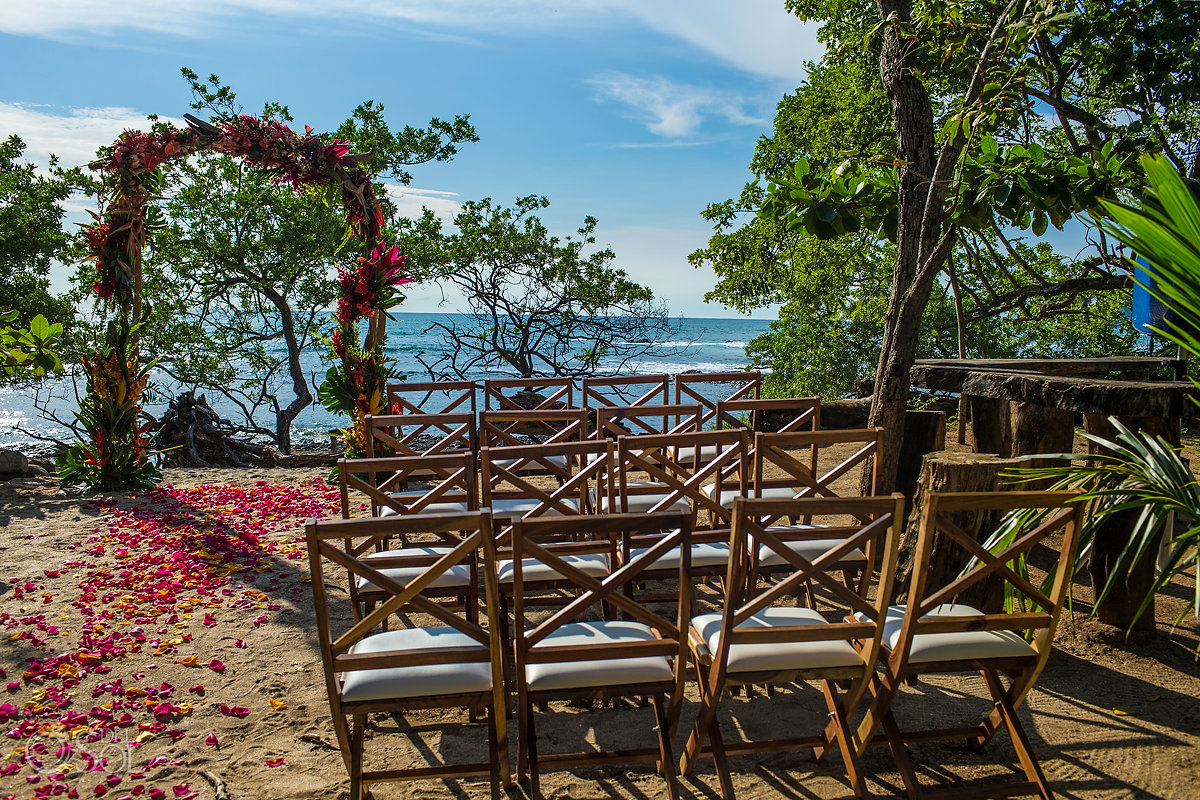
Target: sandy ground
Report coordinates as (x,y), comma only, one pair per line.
(115,610)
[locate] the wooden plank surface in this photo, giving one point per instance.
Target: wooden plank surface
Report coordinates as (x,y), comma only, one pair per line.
(1076,367)
(1086,395)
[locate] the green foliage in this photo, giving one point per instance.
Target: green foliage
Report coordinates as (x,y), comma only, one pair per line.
(31,234)
(28,352)
(539,304)
(1139,470)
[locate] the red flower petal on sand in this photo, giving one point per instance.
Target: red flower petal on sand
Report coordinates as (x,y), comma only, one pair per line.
(216,666)
(212,740)
(274,762)
(234,711)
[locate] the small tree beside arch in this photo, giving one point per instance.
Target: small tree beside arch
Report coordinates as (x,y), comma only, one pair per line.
(114,451)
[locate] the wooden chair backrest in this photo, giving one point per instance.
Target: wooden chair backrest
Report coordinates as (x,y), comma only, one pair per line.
(673,529)
(618,390)
(452,476)
(615,421)
(747,387)
(806,413)
(877,535)
(775,451)
(449,396)
(401,434)
(658,457)
(504,428)
(562,393)
(1064,514)
(504,473)
(471,535)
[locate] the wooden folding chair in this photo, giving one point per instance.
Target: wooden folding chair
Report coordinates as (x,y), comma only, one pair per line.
(516,428)
(788,466)
(432,397)
(452,489)
(932,633)
(705,388)
(565,657)
(622,390)
(792,413)
(454,664)
(554,393)
(452,476)
(672,481)
(756,641)
(416,434)
(614,421)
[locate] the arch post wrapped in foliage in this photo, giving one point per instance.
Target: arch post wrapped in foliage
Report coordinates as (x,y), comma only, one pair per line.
(114,453)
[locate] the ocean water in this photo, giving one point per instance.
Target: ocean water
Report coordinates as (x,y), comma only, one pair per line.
(705,345)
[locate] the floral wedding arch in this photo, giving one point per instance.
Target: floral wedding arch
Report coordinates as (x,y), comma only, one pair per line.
(115,452)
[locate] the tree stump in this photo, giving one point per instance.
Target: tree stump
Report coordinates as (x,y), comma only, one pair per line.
(947,471)
(924,432)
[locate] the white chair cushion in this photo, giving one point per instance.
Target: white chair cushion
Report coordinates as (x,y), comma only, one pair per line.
(778,656)
(811,549)
(531,464)
(594,564)
(457,575)
(704,554)
(603,672)
(445,507)
(686,455)
(509,508)
(641,503)
(955,646)
(416,681)
(728,495)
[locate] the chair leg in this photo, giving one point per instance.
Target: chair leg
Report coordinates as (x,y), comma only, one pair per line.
(1033,770)
(525,726)
(357,789)
(666,757)
(535,776)
(841,732)
(900,752)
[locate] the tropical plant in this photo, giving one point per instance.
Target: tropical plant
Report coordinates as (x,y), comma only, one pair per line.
(1138,470)
(28,352)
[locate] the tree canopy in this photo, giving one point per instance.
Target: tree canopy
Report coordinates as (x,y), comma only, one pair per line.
(538,304)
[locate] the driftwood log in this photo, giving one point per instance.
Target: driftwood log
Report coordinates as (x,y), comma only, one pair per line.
(947,471)
(192,434)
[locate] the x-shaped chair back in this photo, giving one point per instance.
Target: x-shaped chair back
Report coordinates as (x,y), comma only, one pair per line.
(551,426)
(672,479)
(434,397)
(668,529)
(623,390)
(452,476)
(576,468)
(556,393)
(687,390)
(420,434)
(580,659)
(934,633)
(349,656)
(777,469)
(797,413)
(760,638)
(616,421)
(1026,532)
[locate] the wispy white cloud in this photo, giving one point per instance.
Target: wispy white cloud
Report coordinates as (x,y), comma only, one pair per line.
(670,109)
(758,36)
(72,134)
(410,201)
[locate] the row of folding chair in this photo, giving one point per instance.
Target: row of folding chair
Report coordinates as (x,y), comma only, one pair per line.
(519,394)
(850,644)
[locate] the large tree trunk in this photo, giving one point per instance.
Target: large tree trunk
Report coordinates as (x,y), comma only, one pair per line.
(915,134)
(285,415)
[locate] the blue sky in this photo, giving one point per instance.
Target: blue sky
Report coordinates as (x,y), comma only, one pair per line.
(638,112)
